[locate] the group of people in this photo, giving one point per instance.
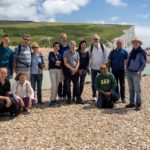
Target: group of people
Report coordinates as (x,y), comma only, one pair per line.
(68,64)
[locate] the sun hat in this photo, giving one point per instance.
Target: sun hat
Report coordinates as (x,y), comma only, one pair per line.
(137,40)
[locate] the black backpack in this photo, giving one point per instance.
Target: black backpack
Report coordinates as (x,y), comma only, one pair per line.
(102,46)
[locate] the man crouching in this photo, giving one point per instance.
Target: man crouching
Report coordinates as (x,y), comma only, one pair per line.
(7,103)
(105,85)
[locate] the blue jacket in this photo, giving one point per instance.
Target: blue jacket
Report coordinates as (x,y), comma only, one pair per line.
(138,63)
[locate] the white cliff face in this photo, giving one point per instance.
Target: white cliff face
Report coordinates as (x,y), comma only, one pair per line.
(128,35)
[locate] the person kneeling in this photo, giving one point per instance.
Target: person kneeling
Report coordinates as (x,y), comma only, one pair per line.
(23,92)
(105,85)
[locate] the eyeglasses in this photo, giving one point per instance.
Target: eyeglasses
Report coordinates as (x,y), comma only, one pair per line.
(27,39)
(103,68)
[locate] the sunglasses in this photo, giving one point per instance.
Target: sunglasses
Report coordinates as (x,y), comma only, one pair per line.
(27,39)
(95,39)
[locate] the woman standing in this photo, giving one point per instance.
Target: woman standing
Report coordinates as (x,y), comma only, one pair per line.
(55,65)
(84,63)
(6,56)
(37,65)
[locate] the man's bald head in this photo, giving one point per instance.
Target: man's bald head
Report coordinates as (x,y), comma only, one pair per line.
(3,73)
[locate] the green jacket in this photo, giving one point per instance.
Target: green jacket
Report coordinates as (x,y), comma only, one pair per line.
(106,82)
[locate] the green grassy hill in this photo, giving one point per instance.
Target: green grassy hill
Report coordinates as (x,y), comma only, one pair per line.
(40,31)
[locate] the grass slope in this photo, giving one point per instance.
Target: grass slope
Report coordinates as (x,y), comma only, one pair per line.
(40,31)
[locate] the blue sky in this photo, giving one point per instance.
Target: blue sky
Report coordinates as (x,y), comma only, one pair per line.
(136,12)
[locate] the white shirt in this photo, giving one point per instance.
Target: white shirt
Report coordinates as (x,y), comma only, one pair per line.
(98,57)
(21,91)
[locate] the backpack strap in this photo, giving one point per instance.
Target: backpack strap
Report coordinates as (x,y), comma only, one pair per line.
(102,47)
(19,51)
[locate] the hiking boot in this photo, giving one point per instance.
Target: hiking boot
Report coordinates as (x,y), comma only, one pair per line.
(130,105)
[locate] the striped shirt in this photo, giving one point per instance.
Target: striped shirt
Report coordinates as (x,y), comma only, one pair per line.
(23,60)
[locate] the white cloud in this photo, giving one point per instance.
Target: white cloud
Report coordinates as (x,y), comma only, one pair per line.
(144,16)
(143,32)
(114,18)
(36,10)
(116,2)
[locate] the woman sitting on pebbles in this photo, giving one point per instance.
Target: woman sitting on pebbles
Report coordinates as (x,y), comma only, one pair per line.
(23,92)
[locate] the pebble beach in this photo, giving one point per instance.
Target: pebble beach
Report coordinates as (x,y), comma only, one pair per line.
(79,127)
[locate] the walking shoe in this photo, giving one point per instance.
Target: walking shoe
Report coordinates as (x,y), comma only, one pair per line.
(52,102)
(94,98)
(60,98)
(68,101)
(64,98)
(25,109)
(123,101)
(79,101)
(41,103)
(138,108)
(130,105)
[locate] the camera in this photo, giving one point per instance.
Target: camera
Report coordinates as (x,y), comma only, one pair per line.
(40,65)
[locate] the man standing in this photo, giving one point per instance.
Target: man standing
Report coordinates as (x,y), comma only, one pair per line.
(72,62)
(98,56)
(136,64)
(22,56)
(105,85)
(64,46)
(117,62)
(6,56)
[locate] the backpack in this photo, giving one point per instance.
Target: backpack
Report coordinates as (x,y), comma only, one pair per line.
(19,50)
(102,46)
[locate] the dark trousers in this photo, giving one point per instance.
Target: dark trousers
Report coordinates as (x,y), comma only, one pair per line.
(93,78)
(107,101)
(75,80)
(62,88)
(120,78)
(4,109)
(62,85)
(37,79)
(81,84)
